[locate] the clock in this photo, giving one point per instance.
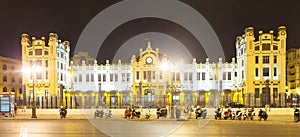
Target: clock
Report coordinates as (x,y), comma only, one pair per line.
(149,60)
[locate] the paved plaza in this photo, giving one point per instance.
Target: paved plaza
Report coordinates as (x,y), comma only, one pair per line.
(82,123)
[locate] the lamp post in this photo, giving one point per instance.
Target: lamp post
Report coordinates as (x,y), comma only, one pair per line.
(140,93)
(288,98)
(32,71)
(33,108)
(268,92)
(99,96)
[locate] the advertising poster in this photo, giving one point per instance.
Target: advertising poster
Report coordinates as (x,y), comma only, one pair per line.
(4,104)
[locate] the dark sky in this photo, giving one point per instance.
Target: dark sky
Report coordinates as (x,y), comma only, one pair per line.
(68,18)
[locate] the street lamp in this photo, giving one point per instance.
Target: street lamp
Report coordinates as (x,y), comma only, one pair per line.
(99,96)
(288,98)
(130,100)
(33,71)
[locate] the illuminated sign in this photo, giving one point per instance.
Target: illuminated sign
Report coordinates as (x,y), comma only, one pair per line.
(4,104)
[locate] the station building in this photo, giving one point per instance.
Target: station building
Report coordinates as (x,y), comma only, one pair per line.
(45,70)
(262,67)
(151,79)
(256,77)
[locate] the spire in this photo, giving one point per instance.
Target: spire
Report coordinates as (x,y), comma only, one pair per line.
(149,44)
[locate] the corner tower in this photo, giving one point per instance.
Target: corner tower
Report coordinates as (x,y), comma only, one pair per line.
(261,67)
(45,74)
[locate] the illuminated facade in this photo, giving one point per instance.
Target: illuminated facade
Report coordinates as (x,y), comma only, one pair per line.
(293,77)
(11,78)
(257,77)
(152,79)
(262,67)
(45,70)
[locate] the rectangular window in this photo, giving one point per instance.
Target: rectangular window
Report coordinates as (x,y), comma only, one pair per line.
(256,72)
(235,74)
(275,71)
(104,77)
(224,75)
(144,74)
(46,75)
(266,46)
(198,75)
(275,59)
(265,71)
(185,76)
(256,94)
(128,77)
(46,63)
(190,76)
(38,51)
(275,47)
(177,76)
(61,77)
(256,48)
(173,76)
(46,53)
(137,75)
(92,77)
(229,75)
(75,79)
(160,75)
(266,59)
(242,74)
(111,77)
(256,59)
(203,75)
(153,75)
(87,76)
(99,77)
(80,78)
(116,77)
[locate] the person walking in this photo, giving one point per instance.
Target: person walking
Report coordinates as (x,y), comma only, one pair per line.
(186,112)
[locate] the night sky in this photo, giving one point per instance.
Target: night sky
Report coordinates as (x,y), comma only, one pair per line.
(68,18)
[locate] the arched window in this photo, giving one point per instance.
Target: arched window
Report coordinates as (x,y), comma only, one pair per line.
(4,89)
(13,79)
(4,67)
(4,79)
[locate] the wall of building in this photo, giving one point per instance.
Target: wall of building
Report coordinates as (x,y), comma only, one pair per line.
(45,87)
(11,78)
(260,61)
